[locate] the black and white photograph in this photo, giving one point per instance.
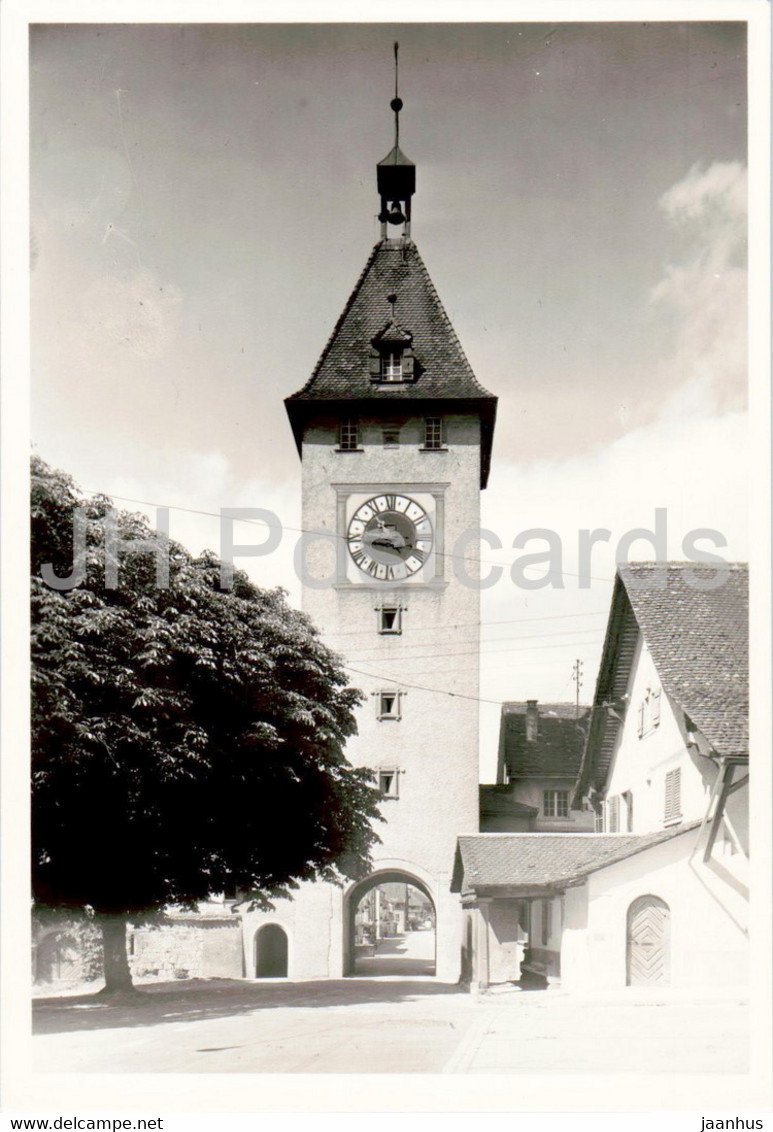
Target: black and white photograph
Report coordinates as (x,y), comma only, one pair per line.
(391,441)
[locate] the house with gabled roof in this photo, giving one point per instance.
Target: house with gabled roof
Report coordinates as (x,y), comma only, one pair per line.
(661,895)
(540,752)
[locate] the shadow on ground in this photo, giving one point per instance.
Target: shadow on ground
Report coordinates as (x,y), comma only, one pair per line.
(219,998)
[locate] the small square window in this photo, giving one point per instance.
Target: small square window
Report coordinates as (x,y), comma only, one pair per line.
(349,435)
(388,704)
(390,619)
(387,783)
(433,432)
(390,435)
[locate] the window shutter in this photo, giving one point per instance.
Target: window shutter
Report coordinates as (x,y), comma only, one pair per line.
(613,814)
(408,361)
(655,708)
(374,363)
(673,800)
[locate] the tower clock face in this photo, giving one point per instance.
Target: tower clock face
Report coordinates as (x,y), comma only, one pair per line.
(390,537)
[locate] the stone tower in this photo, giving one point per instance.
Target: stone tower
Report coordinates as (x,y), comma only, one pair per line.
(394,433)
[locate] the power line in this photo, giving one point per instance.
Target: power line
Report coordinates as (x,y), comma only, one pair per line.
(471,624)
(403,651)
(334,535)
(423,687)
(473,652)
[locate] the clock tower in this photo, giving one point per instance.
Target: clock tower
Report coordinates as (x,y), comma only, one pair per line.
(394,433)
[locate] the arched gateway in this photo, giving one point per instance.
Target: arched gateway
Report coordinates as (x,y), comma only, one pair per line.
(390,924)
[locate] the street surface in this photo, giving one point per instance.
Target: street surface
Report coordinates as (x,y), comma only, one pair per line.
(389,1025)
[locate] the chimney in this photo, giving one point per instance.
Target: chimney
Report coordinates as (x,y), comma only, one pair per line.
(532,721)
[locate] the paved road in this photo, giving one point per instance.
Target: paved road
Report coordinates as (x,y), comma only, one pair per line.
(388,1025)
(409,954)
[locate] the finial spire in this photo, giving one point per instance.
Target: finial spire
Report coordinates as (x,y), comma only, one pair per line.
(396,174)
(397,103)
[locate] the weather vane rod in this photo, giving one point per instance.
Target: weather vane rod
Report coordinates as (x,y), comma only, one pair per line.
(396,102)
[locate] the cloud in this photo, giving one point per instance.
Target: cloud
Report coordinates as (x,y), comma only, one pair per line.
(705,292)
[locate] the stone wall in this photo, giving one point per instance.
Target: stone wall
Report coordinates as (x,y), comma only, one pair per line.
(188,949)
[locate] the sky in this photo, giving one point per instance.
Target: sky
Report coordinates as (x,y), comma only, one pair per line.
(203,201)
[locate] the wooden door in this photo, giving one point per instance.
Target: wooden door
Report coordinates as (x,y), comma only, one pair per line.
(648,942)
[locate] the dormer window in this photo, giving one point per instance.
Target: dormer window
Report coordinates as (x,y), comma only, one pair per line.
(391,356)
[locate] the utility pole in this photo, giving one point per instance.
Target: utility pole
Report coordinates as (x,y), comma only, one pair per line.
(577,677)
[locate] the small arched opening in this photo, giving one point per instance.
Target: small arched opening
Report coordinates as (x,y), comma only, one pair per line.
(391,927)
(270,952)
(648,942)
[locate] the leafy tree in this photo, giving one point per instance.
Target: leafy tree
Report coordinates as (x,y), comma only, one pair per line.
(186,740)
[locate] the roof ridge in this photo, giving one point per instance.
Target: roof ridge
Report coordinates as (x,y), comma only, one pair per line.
(679,563)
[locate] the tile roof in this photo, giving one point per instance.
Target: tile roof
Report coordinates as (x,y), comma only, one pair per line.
(394,267)
(442,372)
(557,750)
(539,860)
(699,643)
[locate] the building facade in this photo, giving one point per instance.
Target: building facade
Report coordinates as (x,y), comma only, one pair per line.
(661,895)
(539,757)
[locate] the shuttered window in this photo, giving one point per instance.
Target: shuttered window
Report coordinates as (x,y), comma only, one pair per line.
(673,807)
(649,712)
(655,708)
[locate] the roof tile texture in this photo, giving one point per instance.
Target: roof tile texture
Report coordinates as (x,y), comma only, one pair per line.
(557,750)
(699,642)
(393,268)
(489,860)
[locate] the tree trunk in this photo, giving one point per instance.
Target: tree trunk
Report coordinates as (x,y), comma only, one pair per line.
(118,977)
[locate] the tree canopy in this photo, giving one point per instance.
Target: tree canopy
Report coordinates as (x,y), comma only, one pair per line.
(186,740)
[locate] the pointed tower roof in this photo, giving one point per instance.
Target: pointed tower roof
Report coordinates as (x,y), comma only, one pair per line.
(443,381)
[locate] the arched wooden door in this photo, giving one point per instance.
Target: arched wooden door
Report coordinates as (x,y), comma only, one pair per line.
(271,952)
(648,943)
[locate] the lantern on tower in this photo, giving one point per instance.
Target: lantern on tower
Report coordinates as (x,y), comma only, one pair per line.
(396,176)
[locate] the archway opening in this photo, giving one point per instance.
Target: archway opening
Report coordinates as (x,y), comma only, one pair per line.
(271,952)
(392,927)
